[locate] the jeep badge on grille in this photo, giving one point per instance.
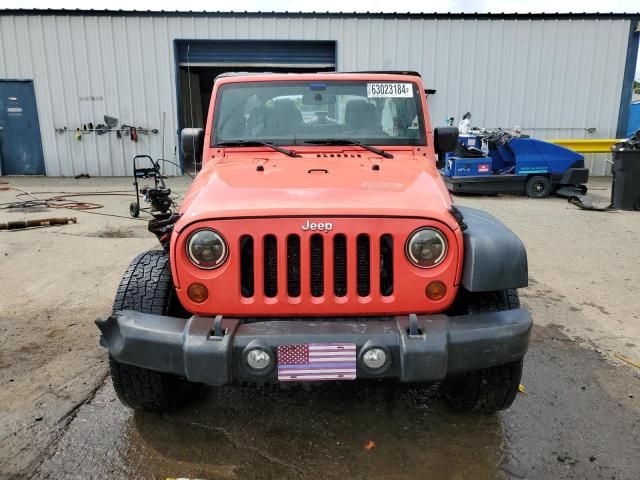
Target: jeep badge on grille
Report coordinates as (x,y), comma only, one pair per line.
(321,227)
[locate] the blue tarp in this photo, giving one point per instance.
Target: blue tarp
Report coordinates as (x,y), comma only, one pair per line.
(634,119)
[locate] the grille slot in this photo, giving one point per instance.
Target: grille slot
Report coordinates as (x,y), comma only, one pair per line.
(363,249)
(270,266)
(293,265)
(340,265)
(386,265)
(246,266)
(317,265)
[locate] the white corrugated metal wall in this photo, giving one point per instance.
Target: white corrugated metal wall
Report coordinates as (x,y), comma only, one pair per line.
(555,77)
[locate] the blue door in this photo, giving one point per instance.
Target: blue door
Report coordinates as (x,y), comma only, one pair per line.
(20,143)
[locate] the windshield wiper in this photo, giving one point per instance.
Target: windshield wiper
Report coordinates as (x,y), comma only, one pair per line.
(254,143)
(346,141)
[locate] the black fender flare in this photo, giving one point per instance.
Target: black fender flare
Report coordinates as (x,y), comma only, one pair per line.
(494,257)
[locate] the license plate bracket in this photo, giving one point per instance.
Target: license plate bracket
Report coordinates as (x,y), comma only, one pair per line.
(314,362)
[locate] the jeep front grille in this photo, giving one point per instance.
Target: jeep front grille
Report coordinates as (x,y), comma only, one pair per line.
(324,275)
(282,267)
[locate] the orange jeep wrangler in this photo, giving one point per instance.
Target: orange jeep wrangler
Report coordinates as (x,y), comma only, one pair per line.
(319,243)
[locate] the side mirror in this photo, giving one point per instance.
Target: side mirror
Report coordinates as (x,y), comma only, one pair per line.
(192,141)
(445,139)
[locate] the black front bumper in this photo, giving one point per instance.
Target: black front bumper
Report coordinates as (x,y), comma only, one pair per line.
(194,349)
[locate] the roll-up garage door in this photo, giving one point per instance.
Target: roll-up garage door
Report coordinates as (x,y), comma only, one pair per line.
(264,53)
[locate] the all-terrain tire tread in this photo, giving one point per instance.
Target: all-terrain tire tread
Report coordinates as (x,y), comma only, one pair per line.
(146,287)
(490,389)
(146,284)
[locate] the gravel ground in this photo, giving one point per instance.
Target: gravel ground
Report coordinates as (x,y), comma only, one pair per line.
(578,419)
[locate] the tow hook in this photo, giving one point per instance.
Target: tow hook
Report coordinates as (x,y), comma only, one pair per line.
(217,333)
(414,331)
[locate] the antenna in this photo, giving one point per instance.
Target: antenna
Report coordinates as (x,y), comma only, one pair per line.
(193,140)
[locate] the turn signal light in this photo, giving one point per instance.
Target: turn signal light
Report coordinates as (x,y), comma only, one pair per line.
(436,290)
(197,292)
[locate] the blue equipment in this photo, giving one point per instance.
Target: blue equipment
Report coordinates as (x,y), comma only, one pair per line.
(468,167)
(513,165)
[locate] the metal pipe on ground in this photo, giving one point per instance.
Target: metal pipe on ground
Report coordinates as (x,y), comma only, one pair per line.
(44,222)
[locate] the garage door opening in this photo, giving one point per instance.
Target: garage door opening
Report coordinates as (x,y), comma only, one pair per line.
(199,62)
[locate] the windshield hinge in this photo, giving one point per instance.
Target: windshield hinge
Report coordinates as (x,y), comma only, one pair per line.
(457,214)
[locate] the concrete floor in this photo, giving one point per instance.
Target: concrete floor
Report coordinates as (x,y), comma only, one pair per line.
(60,419)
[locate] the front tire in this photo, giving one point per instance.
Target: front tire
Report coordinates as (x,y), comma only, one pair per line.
(490,389)
(147,287)
(538,187)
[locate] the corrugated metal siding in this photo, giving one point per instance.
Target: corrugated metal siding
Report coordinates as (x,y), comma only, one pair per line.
(554,77)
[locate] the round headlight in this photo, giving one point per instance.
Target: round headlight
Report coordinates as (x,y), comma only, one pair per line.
(207,249)
(426,247)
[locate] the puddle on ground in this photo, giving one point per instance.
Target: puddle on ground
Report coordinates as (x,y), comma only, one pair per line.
(246,433)
(578,419)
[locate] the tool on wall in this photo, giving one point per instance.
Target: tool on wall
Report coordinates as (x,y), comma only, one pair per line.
(125,129)
(111,122)
(110,125)
(101,129)
(107,126)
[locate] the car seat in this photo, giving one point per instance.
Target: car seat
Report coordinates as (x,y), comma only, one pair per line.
(282,118)
(360,115)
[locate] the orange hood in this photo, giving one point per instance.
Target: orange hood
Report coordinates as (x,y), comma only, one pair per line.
(276,185)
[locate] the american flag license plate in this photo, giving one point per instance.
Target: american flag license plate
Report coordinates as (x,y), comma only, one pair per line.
(309,362)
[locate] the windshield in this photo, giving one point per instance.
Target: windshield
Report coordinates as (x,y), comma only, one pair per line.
(292,113)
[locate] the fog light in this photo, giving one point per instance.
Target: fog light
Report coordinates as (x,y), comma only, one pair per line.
(197,292)
(374,358)
(258,359)
(436,290)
